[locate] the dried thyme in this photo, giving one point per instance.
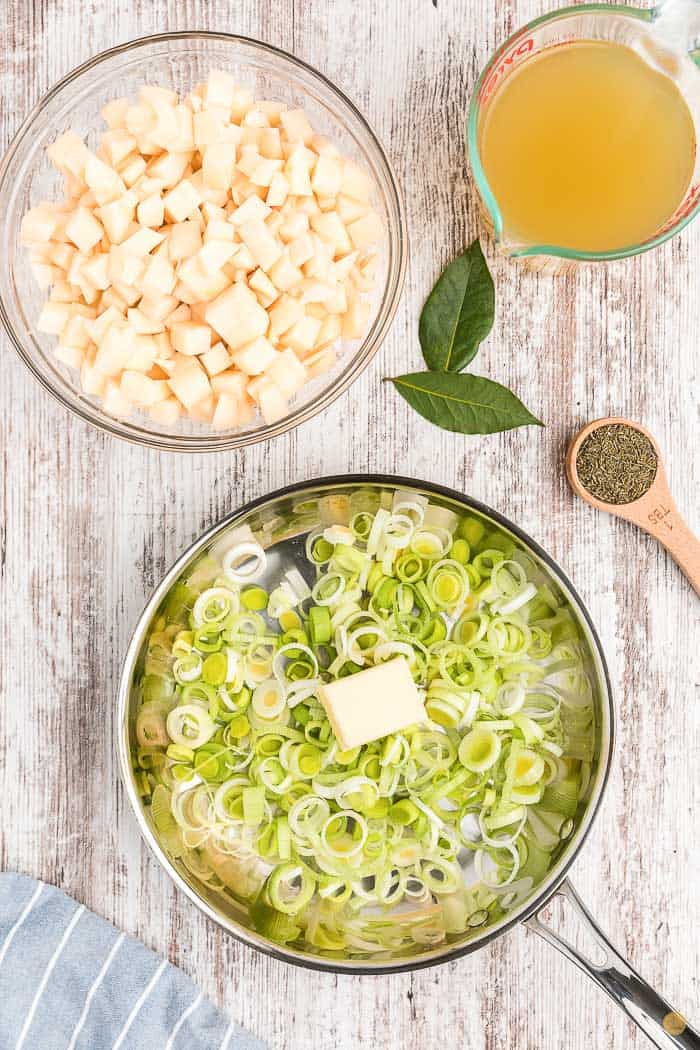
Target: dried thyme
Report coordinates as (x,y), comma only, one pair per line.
(616,463)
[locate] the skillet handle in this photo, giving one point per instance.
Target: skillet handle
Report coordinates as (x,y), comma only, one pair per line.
(666,1028)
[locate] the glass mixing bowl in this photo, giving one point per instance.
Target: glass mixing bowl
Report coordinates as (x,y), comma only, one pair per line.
(179,61)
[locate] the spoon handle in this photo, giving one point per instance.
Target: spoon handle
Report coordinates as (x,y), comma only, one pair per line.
(664,523)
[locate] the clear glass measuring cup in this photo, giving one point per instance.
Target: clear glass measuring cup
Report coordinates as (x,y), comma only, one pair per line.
(666,36)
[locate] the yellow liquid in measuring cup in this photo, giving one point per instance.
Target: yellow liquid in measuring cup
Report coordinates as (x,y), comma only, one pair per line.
(585,146)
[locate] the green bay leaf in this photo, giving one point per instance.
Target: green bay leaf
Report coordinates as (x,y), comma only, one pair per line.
(458,313)
(466,404)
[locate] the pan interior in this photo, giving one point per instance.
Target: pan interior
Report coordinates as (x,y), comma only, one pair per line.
(228,889)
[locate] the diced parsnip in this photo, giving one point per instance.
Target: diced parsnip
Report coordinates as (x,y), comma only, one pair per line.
(295,225)
(189,381)
(139,119)
(181,314)
(92,382)
(263,288)
(114,350)
(328,176)
(84,230)
(337,303)
(184,240)
(151,211)
(272,403)
(103,180)
(156,96)
(96,270)
(319,265)
(302,336)
(190,338)
(143,352)
(166,412)
(54,317)
(329,226)
(261,243)
(129,293)
(69,153)
(284,314)
(230,382)
(215,254)
(220,90)
(39,224)
(158,305)
(237,316)
(184,137)
(217,359)
(62,292)
(132,170)
(117,217)
(256,357)
(366,231)
(141,324)
(270,145)
(219,160)
(320,361)
(242,261)
(342,268)
(226,413)
(284,274)
(330,332)
(206,193)
(219,230)
(169,168)
(72,356)
(112,298)
(264,172)
(205,286)
(252,209)
(356,182)
(287,372)
(76,333)
(45,274)
(296,125)
(248,159)
(349,209)
(141,243)
(159,277)
(114,112)
(356,318)
(298,169)
(125,267)
(242,102)
(314,292)
(278,190)
(301,249)
(143,391)
(114,402)
(181,201)
(203,411)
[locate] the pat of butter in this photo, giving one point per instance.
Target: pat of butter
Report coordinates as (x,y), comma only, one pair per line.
(372,703)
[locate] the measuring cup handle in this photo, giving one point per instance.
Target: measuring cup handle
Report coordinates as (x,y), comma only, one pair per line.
(684,547)
(666,1028)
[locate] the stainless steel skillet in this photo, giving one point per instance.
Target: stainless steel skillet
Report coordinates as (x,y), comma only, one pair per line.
(281,522)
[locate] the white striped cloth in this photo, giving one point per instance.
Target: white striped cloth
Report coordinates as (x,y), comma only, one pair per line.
(70,981)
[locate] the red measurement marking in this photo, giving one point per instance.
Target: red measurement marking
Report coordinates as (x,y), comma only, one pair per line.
(660,515)
(518,52)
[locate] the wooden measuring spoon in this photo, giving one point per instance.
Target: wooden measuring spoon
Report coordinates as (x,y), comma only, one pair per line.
(655,511)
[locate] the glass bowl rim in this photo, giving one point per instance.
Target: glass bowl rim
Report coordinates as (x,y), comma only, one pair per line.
(360,358)
(548,886)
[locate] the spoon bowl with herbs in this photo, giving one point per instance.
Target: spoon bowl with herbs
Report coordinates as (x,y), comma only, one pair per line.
(616,466)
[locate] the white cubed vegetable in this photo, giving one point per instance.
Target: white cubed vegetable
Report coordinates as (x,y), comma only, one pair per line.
(272,402)
(39,224)
(219,230)
(349,209)
(180,314)
(263,287)
(206,193)
(337,303)
(159,277)
(248,159)
(242,102)
(329,226)
(327,177)
(356,183)
(104,181)
(189,381)
(181,201)
(158,305)
(261,243)
(139,119)
(295,225)
(278,191)
(72,356)
(296,125)
(184,240)
(45,274)
(117,146)
(284,274)
(270,145)
(114,112)
(356,319)
(366,231)
(183,140)
(253,208)
(76,333)
(151,211)
(142,242)
(218,162)
(287,372)
(231,382)
(144,350)
(54,317)
(342,269)
(169,168)
(96,269)
(114,402)
(132,171)
(297,171)
(84,230)
(69,153)
(203,411)
(116,217)
(220,90)
(215,254)
(205,286)
(141,324)
(256,357)
(217,359)
(125,267)
(156,96)
(284,314)
(114,350)
(302,336)
(166,412)
(237,316)
(301,249)
(265,171)
(320,361)
(92,382)
(226,413)
(190,338)
(143,391)
(331,329)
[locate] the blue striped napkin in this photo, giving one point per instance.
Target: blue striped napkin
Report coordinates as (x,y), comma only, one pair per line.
(70,981)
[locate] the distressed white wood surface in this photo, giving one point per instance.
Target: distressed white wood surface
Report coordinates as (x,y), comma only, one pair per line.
(89,525)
